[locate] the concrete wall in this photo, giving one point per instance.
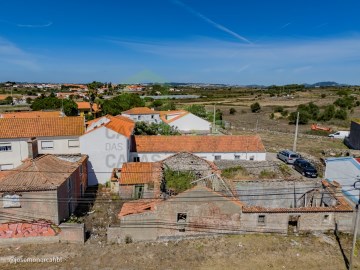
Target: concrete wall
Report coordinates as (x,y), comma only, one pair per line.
(191,122)
(307,222)
(148,118)
(217,215)
(18,153)
(61,145)
(72,233)
(273,194)
(106,150)
(154,157)
(34,206)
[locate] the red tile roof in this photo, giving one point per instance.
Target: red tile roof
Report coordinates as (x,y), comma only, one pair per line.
(32,114)
(41,127)
(86,106)
(140,173)
(140,110)
(198,144)
(138,206)
(47,172)
(119,124)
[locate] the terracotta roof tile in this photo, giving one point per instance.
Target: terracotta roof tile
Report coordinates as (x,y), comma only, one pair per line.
(119,124)
(164,115)
(138,206)
(140,110)
(140,173)
(46,172)
(32,114)
(41,127)
(86,106)
(198,144)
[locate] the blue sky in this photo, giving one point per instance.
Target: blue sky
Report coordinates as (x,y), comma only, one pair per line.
(217,41)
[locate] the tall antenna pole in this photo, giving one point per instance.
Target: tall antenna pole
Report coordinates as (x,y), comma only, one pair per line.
(296,132)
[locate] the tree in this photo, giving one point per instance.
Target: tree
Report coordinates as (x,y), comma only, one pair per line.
(232,111)
(340,114)
(303,117)
(328,113)
(198,110)
(122,103)
(9,100)
(143,128)
(53,103)
(255,107)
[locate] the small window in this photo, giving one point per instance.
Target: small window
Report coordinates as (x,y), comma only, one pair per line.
(261,220)
(252,157)
(136,159)
(73,143)
(47,145)
(217,157)
(181,218)
(11,201)
(139,117)
(152,116)
(237,157)
(5,147)
(326,218)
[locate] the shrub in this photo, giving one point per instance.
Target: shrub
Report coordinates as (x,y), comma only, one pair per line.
(178,181)
(232,111)
(234,172)
(265,174)
(255,107)
(323,95)
(285,113)
(304,117)
(340,114)
(279,109)
(272,116)
(328,113)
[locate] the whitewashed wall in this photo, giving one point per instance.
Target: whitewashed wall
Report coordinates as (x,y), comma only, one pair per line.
(61,145)
(153,157)
(148,118)
(18,153)
(191,122)
(106,149)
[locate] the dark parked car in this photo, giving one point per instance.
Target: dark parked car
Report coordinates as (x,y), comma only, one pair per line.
(305,168)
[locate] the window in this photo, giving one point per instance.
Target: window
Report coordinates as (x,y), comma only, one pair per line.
(326,219)
(217,157)
(252,157)
(47,145)
(73,143)
(152,116)
(11,201)
(5,147)
(181,217)
(6,167)
(237,157)
(261,220)
(139,117)
(136,159)
(181,220)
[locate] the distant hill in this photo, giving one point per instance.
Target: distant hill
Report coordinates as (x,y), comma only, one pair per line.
(324,84)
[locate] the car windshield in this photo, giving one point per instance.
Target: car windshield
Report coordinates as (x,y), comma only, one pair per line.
(293,156)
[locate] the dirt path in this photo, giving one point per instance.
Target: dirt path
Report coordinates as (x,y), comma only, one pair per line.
(228,252)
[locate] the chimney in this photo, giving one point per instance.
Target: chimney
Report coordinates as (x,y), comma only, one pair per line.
(32,148)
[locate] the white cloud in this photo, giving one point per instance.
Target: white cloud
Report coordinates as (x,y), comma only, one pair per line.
(35,25)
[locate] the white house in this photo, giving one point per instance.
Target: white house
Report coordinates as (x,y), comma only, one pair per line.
(156,148)
(142,114)
(20,137)
(107,143)
(345,171)
(185,121)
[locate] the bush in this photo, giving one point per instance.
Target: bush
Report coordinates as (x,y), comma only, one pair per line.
(178,181)
(265,174)
(340,114)
(272,116)
(255,107)
(323,95)
(328,113)
(234,172)
(279,109)
(304,117)
(285,113)
(232,111)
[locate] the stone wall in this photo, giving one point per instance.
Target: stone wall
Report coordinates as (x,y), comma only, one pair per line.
(72,233)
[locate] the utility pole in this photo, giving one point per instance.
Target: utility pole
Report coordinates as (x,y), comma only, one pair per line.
(214,123)
(356,186)
(296,131)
